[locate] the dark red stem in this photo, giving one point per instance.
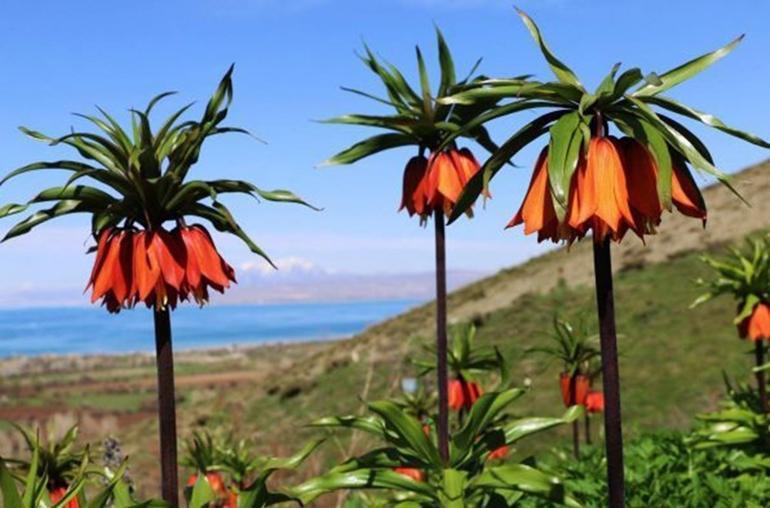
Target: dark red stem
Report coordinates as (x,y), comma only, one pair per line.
(613,435)
(441,338)
(166,407)
(759,354)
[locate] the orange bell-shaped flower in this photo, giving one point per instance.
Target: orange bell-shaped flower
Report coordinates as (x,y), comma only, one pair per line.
(595,402)
(537,212)
(499,453)
(685,194)
(410,472)
(463,394)
(448,173)
(757,325)
(599,198)
(581,387)
(415,197)
(157,267)
(642,181)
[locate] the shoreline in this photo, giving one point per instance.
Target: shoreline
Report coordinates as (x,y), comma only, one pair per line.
(48,363)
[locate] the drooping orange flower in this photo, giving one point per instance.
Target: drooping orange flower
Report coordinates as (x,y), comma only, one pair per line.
(595,402)
(410,472)
(614,189)
(685,194)
(537,212)
(415,198)
(499,453)
(757,325)
(448,172)
(581,388)
(463,394)
(642,180)
(58,493)
(157,267)
(599,197)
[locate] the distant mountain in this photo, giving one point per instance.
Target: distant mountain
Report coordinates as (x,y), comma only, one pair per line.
(300,280)
(296,280)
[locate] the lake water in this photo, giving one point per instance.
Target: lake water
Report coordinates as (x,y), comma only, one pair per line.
(92,330)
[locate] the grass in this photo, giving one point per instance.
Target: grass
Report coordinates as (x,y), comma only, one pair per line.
(126,402)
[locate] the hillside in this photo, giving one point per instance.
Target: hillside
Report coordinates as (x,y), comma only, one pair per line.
(671,356)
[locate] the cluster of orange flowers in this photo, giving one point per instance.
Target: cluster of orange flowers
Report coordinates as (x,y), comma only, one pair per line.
(435,183)
(757,325)
(157,267)
(583,395)
(614,189)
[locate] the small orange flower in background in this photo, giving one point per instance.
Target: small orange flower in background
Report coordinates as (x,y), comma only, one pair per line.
(582,386)
(415,474)
(463,394)
(757,325)
(499,453)
(595,402)
(58,494)
(158,267)
(215,480)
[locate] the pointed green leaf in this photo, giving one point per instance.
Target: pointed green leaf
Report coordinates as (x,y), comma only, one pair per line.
(686,70)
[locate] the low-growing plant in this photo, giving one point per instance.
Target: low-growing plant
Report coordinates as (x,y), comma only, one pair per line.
(40,482)
(409,468)
(228,474)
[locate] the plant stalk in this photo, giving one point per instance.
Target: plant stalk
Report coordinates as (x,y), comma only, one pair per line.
(575,424)
(588,429)
(441,338)
(613,435)
(759,354)
(166,407)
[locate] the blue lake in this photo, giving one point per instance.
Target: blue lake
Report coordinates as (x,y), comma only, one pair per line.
(75,330)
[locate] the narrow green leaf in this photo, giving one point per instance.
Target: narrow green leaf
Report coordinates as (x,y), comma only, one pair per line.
(560,70)
(370,146)
(705,118)
(563,152)
(448,77)
(686,71)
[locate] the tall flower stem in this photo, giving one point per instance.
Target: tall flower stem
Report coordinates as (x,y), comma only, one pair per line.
(166,406)
(613,435)
(759,354)
(588,429)
(575,424)
(441,338)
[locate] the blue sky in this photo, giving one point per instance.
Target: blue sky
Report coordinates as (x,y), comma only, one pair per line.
(291,57)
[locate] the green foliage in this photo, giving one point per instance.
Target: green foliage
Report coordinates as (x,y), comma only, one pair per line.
(35,484)
(247,473)
(745,275)
(466,480)
(420,118)
(145,172)
(465,360)
(662,470)
(575,347)
(574,113)
(740,424)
